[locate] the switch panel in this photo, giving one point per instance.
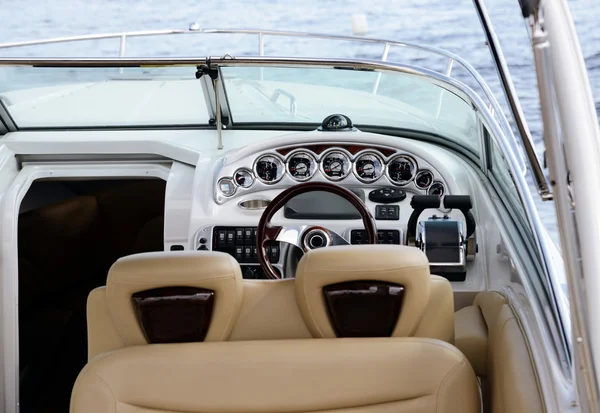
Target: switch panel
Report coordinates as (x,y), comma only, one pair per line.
(241,244)
(385,236)
(387,212)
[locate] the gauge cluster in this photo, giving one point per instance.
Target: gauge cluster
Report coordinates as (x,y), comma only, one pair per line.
(335,164)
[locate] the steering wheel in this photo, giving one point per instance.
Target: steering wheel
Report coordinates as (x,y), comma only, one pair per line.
(306,237)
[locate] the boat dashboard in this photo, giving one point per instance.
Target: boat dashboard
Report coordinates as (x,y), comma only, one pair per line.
(384,177)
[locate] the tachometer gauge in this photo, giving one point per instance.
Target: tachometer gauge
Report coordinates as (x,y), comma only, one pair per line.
(437,188)
(269,169)
(243,178)
(301,166)
(423,179)
(368,167)
(335,165)
(401,170)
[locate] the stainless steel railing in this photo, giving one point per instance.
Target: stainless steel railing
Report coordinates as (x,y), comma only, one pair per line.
(261,34)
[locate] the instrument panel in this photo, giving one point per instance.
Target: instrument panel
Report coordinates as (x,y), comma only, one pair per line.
(348,164)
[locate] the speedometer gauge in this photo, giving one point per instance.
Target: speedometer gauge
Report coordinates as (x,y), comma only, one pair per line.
(269,169)
(368,167)
(335,165)
(401,170)
(301,166)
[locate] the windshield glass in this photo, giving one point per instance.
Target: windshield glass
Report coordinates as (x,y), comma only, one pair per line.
(39,97)
(383,99)
(172,96)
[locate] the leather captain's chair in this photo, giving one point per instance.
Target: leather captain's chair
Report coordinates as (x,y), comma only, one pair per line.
(165,297)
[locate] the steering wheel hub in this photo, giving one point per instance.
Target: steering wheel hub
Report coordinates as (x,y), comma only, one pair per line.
(316,237)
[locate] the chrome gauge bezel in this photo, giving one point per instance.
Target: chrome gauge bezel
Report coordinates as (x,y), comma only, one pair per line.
(312,166)
(436,183)
(243,170)
(382,166)
(391,161)
(278,159)
(421,172)
(348,162)
(231,182)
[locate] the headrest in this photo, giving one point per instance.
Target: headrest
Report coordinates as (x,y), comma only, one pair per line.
(166,297)
(363,290)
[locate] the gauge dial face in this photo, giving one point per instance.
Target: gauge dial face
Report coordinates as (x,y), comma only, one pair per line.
(401,170)
(424,179)
(243,178)
(368,167)
(269,169)
(335,165)
(437,188)
(226,187)
(301,166)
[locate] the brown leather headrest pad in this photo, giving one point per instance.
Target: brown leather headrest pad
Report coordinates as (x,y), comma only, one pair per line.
(363,308)
(174,314)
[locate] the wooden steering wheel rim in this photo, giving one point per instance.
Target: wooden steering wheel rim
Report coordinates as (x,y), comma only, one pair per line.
(267,232)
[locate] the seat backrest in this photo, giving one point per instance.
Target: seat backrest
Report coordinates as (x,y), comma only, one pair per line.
(372,291)
(162,297)
(269,310)
(490,336)
(351,375)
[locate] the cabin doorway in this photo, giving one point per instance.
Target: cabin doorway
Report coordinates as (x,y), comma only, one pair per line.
(69,234)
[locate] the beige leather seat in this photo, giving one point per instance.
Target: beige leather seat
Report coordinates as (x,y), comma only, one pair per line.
(374,290)
(272,310)
(276,309)
(165,297)
(490,336)
(375,375)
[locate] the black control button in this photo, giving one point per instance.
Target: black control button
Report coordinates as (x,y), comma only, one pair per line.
(239,253)
(248,236)
(239,236)
(230,238)
(248,254)
(254,253)
(387,195)
(203,240)
(203,248)
(274,254)
(222,238)
(387,212)
(254,235)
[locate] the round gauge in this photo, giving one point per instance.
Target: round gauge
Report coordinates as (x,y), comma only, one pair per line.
(423,179)
(401,170)
(437,188)
(243,178)
(335,165)
(269,169)
(226,186)
(368,167)
(301,166)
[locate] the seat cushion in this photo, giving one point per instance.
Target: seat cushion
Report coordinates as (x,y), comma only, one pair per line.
(375,375)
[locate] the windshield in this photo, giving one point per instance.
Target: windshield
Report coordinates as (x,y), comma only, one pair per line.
(172,96)
(384,99)
(41,97)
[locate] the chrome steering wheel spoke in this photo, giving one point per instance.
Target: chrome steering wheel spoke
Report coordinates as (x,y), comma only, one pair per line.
(310,237)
